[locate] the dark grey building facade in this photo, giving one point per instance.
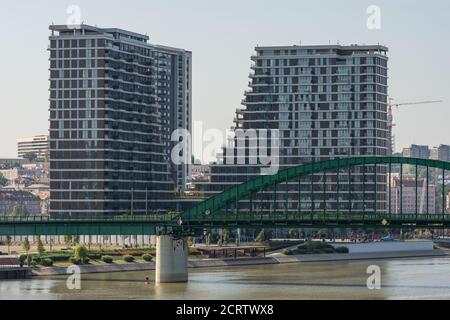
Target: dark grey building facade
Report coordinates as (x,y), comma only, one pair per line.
(114,100)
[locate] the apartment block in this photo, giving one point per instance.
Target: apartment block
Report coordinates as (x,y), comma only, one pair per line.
(326,102)
(115,98)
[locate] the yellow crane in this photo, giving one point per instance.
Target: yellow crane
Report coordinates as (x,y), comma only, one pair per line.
(390,118)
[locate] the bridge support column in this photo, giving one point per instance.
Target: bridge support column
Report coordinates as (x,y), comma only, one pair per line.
(171,259)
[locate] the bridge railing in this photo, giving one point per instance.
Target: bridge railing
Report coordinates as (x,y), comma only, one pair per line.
(281,217)
(87,218)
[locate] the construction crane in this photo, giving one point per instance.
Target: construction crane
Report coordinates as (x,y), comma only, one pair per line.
(390,118)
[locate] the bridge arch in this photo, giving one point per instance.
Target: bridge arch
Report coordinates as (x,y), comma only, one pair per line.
(244,190)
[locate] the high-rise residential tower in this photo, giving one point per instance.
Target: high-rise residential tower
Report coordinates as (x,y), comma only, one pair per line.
(114,101)
(327,102)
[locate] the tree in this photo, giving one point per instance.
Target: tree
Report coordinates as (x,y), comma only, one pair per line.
(26,246)
(68,239)
(40,246)
(209,239)
(81,252)
(225,236)
(219,242)
(238,241)
(291,234)
(261,236)
(3,180)
(31,156)
(8,243)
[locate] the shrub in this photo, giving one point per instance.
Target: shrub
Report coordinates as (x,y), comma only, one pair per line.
(22,258)
(301,251)
(75,260)
(128,258)
(58,257)
(327,250)
(107,259)
(316,245)
(86,260)
(95,256)
(47,262)
(287,252)
(147,257)
(81,252)
(38,259)
(341,250)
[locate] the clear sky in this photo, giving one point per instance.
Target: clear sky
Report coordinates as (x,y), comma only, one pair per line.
(222,35)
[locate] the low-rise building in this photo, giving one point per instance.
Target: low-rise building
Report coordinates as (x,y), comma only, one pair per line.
(200,172)
(19,201)
(407,195)
(8,163)
(12,174)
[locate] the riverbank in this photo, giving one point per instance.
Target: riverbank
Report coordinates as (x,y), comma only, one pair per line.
(209,263)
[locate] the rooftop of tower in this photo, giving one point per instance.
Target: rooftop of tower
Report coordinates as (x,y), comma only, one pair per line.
(116,32)
(352,47)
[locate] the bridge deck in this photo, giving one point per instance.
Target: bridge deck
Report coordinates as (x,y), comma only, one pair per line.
(129,225)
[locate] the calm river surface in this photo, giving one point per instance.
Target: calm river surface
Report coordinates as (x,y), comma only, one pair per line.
(424,278)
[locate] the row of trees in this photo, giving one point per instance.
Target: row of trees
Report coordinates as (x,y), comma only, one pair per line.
(26,245)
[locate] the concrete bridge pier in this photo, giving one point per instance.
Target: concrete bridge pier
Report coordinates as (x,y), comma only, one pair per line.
(171,259)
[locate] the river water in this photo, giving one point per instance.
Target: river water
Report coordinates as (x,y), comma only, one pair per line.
(423,278)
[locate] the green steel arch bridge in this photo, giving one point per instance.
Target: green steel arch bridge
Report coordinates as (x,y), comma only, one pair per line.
(261,202)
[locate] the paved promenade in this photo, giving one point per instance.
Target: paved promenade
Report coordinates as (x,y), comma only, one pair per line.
(276,259)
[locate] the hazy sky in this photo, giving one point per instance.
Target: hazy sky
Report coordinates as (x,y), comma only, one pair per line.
(222,35)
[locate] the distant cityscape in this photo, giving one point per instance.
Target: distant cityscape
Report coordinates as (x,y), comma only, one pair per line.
(115,100)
